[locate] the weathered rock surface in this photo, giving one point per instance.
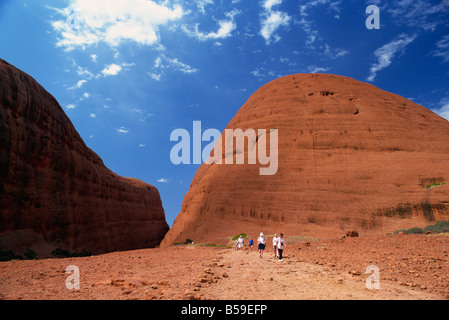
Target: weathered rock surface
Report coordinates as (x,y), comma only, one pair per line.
(54,191)
(351,157)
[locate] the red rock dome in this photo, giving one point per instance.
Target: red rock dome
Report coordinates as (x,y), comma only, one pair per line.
(350,157)
(55,192)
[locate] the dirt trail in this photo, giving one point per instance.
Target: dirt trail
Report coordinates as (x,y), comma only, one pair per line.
(411,267)
(247,276)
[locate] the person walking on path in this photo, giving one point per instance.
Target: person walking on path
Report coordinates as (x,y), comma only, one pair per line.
(275,245)
(250,244)
(280,245)
(261,241)
(240,241)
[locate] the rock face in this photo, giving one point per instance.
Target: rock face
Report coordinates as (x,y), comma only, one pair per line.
(350,157)
(54,191)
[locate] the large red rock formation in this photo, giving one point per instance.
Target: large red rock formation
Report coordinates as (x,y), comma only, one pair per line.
(55,192)
(351,157)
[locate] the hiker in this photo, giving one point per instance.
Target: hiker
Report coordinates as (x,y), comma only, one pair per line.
(280,245)
(250,243)
(240,241)
(261,244)
(275,245)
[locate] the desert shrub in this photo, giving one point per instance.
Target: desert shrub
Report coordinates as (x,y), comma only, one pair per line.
(8,255)
(238,236)
(83,253)
(433,185)
(438,227)
(188,241)
(30,254)
(414,230)
(60,253)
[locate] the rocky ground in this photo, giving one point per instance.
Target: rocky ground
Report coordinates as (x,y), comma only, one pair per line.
(410,267)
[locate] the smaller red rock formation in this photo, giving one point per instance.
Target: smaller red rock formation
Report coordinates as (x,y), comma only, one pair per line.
(55,192)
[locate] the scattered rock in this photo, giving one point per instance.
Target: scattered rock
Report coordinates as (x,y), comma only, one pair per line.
(352,234)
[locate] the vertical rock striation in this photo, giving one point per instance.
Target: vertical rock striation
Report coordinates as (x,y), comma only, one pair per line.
(351,156)
(55,192)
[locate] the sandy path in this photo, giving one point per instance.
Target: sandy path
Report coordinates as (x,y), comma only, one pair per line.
(203,273)
(247,277)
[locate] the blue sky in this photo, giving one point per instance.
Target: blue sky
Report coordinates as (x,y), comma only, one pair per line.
(129,72)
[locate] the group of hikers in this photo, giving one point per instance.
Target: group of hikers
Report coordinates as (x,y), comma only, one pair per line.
(278,244)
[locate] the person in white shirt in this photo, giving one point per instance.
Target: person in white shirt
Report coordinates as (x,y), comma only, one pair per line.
(280,246)
(240,243)
(275,245)
(261,243)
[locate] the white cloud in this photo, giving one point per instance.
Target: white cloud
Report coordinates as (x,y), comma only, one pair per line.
(92,115)
(163,63)
(224,31)
(111,70)
(386,53)
(113,22)
(444,108)
(314,69)
(155,76)
(78,85)
(334,53)
(443,48)
(269,4)
(142,145)
(258,72)
(163,180)
(94,57)
(308,25)
(83,72)
(423,14)
(272,21)
(201,4)
(122,130)
(70,106)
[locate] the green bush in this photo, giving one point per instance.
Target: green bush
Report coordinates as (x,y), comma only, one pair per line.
(414,230)
(433,185)
(30,254)
(8,255)
(238,236)
(438,227)
(60,253)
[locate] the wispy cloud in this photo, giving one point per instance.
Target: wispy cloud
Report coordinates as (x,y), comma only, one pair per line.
(272,20)
(123,130)
(225,29)
(443,48)
(163,180)
(163,63)
(315,69)
(78,85)
(334,53)
(443,111)
(422,14)
(385,54)
(201,4)
(308,25)
(113,22)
